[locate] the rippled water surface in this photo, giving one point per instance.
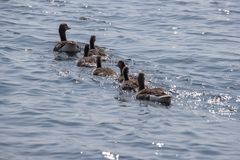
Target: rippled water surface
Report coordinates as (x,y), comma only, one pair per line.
(52,109)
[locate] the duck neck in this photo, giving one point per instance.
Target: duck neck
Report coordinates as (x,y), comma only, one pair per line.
(86,50)
(99,64)
(141,83)
(125,73)
(92,46)
(141,86)
(62,35)
(121,70)
(125,76)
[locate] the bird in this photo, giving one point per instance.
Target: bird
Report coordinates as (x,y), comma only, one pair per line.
(69,47)
(152,94)
(95,50)
(121,65)
(128,84)
(99,71)
(86,60)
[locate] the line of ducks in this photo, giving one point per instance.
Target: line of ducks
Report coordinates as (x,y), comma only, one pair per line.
(93,57)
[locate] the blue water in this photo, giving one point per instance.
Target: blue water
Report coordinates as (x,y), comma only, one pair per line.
(51,109)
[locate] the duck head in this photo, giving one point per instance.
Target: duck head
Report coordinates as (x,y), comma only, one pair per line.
(125,73)
(86,50)
(99,64)
(62,29)
(121,65)
(92,41)
(141,80)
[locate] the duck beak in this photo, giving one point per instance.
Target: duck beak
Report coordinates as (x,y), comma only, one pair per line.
(67,27)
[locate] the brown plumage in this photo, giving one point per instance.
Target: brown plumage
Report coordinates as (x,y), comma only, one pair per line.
(87,61)
(152,94)
(94,50)
(121,65)
(128,84)
(99,71)
(69,47)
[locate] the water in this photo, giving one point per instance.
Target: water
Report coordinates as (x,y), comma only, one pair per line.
(52,109)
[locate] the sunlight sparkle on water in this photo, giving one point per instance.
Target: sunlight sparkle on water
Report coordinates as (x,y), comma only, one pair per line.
(158,144)
(111,156)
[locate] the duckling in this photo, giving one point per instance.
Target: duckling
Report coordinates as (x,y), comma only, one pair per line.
(128,84)
(99,71)
(70,47)
(121,65)
(94,50)
(86,61)
(152,94)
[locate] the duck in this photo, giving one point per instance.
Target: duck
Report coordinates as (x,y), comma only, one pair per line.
(152,94)
(95,50)
(86,60)
(69,47)
(121,65)
(128,84)
(100,71)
